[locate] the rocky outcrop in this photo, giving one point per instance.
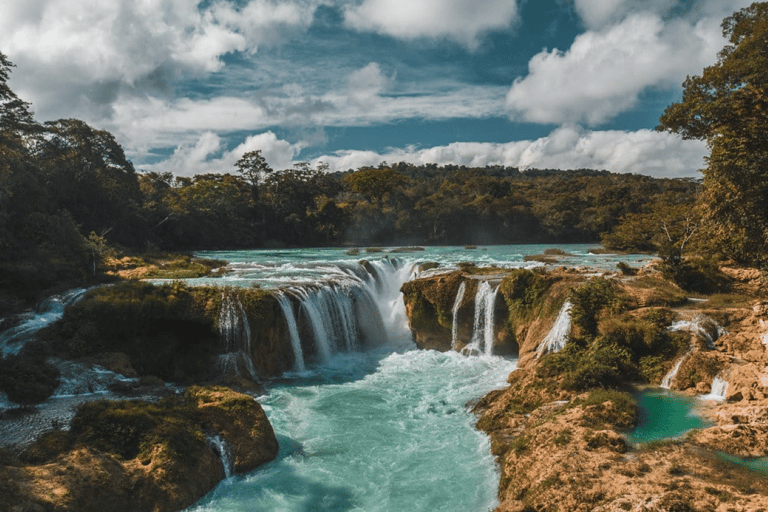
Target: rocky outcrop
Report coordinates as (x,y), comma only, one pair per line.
(174,332)
(560,440)
(127,456)
(523,314)
(566,451)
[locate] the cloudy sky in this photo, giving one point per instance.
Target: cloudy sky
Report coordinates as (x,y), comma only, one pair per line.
(188,86)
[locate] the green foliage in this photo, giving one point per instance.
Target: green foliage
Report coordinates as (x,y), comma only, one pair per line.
(589,300)
(563,438)
(616,408)
(726,106)
(524,292)
(131,428)
(167,330)
(375,184)
(28,379)
(253,167)
(611,350)
(701,275)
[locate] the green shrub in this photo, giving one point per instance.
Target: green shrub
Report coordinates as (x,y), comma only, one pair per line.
(131,428)
(622,412)
(589,300)
(625,269)
(28,379)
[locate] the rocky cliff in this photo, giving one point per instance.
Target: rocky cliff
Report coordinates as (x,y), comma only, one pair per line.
(558,430)
(135,455)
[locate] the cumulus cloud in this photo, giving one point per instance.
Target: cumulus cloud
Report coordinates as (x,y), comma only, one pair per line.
(77,48)
(460,20)
(640,152)
(367,83)
(596,15)
(142,123)
(603,72)
(206,155)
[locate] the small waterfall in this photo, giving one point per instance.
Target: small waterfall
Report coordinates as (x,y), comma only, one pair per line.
(317,323)
(51,309)
(455,310)
(235,332)
(293,330)
(719,388)
(703,326)
(220,446)
(557,337)
(482,333)
(666,382)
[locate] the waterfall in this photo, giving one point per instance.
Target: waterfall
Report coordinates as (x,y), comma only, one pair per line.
(220,446)
(362,305)
(703,326)
(482,330)
(235,332)
(455,310)
(719,389)
(50,310)
(293,330)
(557,337)
(666,382)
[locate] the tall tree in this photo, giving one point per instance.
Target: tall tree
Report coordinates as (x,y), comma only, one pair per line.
(727,106)
(253,167)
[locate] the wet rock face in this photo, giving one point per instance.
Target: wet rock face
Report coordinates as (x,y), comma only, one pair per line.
(139,456)
(429,303)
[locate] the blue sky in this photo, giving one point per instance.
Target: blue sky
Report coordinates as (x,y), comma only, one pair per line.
(188,86)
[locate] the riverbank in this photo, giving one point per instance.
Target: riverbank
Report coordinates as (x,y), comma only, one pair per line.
(559,430)
(583,335)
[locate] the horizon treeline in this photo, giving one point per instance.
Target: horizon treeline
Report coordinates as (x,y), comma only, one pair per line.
(69,196)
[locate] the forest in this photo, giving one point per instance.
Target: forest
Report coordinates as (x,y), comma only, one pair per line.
(70,198)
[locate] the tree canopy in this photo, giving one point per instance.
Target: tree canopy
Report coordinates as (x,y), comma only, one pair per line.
(727,106)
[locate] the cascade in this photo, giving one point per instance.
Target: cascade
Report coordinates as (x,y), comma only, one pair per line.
(293,330)
(557,337)
(703,326)
(51,309)
(764,337)
(719,388)
(455,310)
(348,310)
(235,332)
(666,382)
(482,331)
(220,446)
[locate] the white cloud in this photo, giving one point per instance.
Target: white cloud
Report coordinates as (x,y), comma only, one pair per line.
(77,48)
(603,73)
(206,155)
(367,83)
(144,123)
(640,152)
(598,14)
(460,20)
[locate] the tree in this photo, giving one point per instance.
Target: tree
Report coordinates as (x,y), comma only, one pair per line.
(14,113)
(253,167)
(727,106)
(374,184)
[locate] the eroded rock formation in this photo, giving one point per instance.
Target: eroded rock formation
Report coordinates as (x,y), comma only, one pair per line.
(126,456)
(559,435)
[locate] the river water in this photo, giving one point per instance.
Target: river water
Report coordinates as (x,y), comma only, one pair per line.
(387,429)
(382,429)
